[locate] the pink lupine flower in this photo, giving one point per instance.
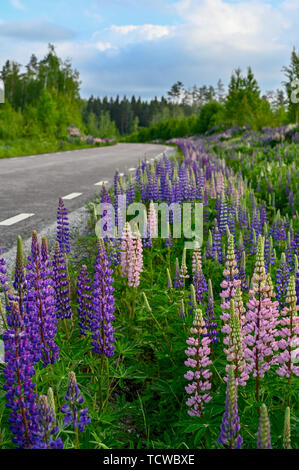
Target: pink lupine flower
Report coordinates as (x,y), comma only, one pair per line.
(261,321)
(229,285)
(289,334)
(131,256)
(126,249)
(152,221)
(136,262)
(198,361)
(236,345)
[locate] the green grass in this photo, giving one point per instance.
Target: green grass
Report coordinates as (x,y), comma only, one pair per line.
(35,146)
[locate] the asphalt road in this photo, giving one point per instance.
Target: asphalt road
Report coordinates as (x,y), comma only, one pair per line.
(32,185)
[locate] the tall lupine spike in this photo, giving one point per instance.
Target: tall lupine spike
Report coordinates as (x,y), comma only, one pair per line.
(3,275)
(63,237)
(230,436)
(217,247)
(223,214)
(193,301)
(263,436)
(184,270)
(47,426)
(209,247)
(84,295)
(241,247)
(19,280)
(51,401)
(196,259)
(152,221)
(44,250)
(200,284)
(227,231)
(261,321)
(177,281)
(287,429)
(198,361)
(289,334)
(182,310)
(253,242)
(170,285)
(39,307)
(235,349)
(136,261)
(210,318)
(282,279)
(229,285)
(242,274)
(18,374)
(103,306)
(73,415)
(62,288)
(126,249)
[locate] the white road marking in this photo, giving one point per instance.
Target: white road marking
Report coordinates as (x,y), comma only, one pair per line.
(72,196)
(15,219)
(100,183)
(132,169)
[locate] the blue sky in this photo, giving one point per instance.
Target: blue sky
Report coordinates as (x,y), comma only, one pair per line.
(142,47)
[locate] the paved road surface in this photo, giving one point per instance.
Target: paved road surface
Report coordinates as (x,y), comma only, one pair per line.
(32,185)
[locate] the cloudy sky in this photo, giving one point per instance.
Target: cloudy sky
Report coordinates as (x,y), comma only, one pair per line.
(142,47)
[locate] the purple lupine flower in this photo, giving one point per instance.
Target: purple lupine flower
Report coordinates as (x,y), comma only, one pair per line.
(198,361)
(282,279)
(230,436)
(73,415)
(40,317)
(209,247)
(169,241)
(210,318)
(63,237)
(103,305)
(3,275)
(199,280)
(178,281)
(223,214)
(18,374)
(84,294)
(263,435)
(47,426)
(217,250)
(62,286)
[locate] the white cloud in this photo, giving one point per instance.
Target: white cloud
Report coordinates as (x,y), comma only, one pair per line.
(247,26)
(120,36)
(104,46)
(146,32)
(17,4)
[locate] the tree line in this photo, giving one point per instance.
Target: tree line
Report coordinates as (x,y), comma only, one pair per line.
(44,98)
